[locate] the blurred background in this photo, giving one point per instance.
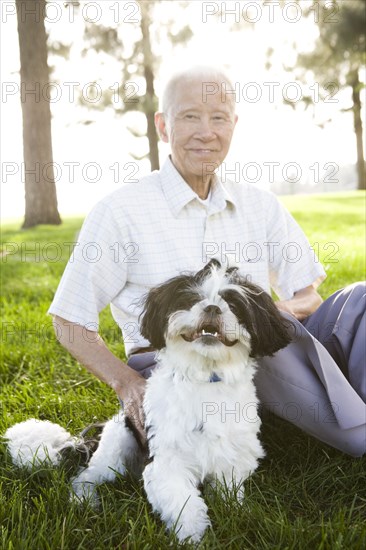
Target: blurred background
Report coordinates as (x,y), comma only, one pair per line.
(81,81)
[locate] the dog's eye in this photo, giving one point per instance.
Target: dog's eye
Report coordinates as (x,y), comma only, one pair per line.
(185,299)
(231,298)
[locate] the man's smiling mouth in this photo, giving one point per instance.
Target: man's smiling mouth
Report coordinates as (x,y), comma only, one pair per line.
(202,150)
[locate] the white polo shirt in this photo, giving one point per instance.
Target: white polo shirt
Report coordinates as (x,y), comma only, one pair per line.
(146,232)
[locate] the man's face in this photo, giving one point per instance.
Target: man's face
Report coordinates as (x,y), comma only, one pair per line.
(199,128)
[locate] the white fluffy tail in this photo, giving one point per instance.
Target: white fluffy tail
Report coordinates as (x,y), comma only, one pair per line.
(35,442)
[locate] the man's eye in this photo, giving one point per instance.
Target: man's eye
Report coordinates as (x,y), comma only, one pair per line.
(190,116)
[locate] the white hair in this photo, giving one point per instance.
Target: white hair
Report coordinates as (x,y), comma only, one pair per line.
(185,77)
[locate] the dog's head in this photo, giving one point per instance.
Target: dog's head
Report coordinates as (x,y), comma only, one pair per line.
(213,312)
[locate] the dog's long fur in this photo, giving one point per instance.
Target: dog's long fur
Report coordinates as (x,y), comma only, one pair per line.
(200,403)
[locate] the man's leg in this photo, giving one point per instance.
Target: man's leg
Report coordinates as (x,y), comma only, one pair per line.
(144,363)
(340,325)
(304,384)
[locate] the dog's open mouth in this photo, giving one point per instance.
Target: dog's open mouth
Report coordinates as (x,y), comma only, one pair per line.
(209,334)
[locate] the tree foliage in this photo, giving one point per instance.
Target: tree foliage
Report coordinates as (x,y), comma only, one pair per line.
(339,56)
(138,63)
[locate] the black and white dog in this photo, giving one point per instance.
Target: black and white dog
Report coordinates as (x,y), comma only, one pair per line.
(200,403)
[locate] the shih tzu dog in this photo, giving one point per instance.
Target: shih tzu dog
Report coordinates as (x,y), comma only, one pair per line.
(200,403)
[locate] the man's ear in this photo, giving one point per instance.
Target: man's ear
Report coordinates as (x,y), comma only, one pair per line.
(160,126)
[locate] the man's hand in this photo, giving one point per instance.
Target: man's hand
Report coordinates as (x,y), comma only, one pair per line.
(303,304)
(133,396)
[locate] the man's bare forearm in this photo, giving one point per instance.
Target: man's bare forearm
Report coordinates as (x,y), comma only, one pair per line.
(303,304)
(91,351)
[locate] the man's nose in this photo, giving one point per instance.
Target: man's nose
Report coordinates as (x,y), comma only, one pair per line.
(205,130)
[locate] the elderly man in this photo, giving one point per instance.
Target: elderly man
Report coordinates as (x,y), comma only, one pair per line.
(174,220)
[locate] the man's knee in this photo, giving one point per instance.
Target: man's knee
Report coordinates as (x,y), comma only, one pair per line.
(355,291)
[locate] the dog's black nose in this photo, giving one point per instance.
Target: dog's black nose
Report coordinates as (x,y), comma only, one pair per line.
(212,310)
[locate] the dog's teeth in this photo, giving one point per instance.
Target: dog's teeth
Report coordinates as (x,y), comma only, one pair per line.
(204,332)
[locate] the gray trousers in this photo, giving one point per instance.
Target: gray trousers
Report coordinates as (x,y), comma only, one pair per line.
(318,382)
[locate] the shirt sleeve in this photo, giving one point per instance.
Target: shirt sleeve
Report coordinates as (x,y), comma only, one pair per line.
(293,264)
(95,273)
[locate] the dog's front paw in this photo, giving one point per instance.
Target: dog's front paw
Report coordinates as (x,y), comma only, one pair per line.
(192,530)
(229,489)
(84,492)
(239,493)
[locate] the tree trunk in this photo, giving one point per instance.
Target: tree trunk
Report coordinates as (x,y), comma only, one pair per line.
(40,188)
(150,92)
(357,120)
(150,116)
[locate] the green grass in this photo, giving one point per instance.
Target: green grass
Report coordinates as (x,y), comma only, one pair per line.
(304,495)
(335,226)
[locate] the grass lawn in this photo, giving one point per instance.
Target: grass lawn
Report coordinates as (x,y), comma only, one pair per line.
(304,495)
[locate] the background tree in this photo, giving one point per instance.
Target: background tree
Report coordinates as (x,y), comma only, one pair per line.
(138,64)
(339,56)
(40,188)
(150,100)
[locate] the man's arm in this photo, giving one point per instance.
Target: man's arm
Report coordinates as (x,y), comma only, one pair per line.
(91,351)
(303,304)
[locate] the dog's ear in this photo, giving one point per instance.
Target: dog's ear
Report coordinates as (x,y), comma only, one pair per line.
(161,301)
(153,319)
(269,330)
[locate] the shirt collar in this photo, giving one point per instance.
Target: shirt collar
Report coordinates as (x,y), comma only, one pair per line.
(179,194)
